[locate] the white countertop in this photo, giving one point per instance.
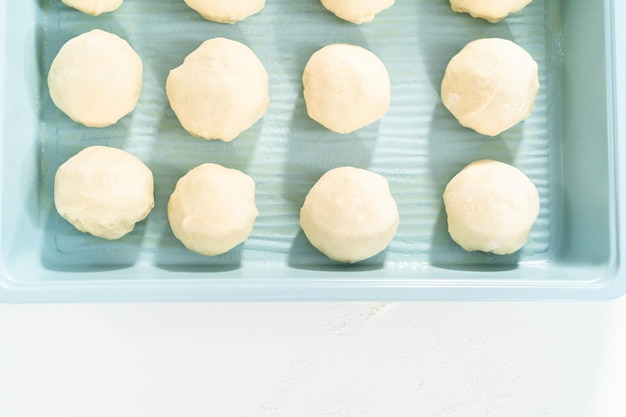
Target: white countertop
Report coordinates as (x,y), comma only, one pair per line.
(315,359)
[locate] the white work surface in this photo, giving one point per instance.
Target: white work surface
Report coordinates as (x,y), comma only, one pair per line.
(317,359)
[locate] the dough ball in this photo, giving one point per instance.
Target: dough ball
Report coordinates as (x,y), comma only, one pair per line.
(350,214)
(491,207)
(212,209)
(94,7)
(491,10)
(103,191)
(96,78)
(346,87)
(357,11)
(220,90)
(490,85)
(226,11)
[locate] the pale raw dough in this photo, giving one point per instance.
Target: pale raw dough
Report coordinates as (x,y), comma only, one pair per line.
(103,191)
(96,78)
(226,11)
(350,214)
(220,90)
(212,209)
(490,85)
(357,11)
(94,7)
(491,207)
(491,10)
(346,87)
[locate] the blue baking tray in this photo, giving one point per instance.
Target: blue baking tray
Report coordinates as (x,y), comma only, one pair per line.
(571,148)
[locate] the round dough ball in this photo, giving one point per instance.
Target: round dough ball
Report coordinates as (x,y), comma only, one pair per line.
(346,87)
(491,207)
(357,11)
(491,10)
(220,90)
(212,209)
(490,85)
(96,78)
(104,191)
(226,11)
(350,214)
(94,7)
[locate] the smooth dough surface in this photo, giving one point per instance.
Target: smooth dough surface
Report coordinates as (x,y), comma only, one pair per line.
(104,191)
(96,78)
(226,11)
(220,90)
(357,11)
(346,87)
(491,10)
(490,85)
(350,214)
(212,209)
(491,207)
(94,7)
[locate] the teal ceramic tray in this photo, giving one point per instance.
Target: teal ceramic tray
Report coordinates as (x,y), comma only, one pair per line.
(571,147)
